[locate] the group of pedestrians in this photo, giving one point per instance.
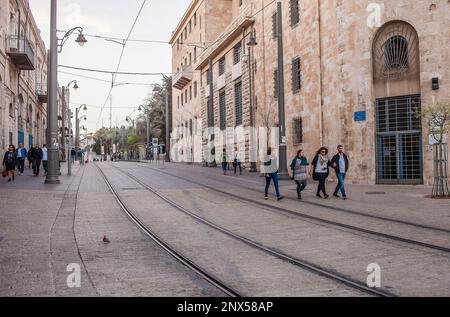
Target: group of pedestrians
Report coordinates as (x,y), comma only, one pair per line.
(14,159)
(319,171)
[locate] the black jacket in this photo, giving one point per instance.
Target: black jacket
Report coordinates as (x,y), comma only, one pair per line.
(37,154)
(336,160)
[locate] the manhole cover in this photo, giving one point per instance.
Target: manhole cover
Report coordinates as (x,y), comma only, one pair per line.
(376,193)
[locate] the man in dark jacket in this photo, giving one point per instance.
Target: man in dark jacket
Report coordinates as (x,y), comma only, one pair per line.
(37,156)
(341,164)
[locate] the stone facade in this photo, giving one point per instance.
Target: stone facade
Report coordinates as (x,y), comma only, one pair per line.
(23,110)
(336,42)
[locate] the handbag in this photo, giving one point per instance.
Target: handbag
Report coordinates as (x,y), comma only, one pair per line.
(4,174)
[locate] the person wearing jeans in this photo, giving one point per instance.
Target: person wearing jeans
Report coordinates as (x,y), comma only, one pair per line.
(270,170)
(22,154)
(341,164)
(45,158)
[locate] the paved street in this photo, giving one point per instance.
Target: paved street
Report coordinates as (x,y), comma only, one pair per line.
(223,225)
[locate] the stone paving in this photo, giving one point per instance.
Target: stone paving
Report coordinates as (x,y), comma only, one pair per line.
(44,229)
(407,270)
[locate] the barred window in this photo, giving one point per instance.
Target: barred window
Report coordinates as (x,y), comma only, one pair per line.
(195,89)
(298,131)
(295,12)
(238,103)
(296,75)
(237,53)
(223,110)
(396,53)
(222,66)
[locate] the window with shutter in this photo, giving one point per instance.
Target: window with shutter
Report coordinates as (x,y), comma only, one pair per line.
(296,75)
(237,53)
(274,25)
(295,12)
(275,84)
(298,131)
(238,103)
(222,66)
(223,110)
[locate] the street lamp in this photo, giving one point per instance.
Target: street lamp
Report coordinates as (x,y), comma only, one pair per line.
(251,45)
(165,88)
(65,115)
(56,45)
(77,141)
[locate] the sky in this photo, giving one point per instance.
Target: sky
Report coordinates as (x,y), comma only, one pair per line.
(112,18)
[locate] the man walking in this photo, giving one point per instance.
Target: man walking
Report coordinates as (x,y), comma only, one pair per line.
(37,160)
(341,164)
(22,154)
(45,158)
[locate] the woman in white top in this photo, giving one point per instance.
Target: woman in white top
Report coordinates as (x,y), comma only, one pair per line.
(321,171)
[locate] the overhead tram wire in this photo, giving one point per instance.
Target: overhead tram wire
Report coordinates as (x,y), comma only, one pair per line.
(120,59)
(104,80)
(113,72)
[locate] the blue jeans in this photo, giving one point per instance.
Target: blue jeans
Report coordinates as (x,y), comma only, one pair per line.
(21,165)
(341,184)
(269,178)
(224,168)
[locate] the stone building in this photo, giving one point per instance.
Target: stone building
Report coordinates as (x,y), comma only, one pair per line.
(356,73)
(23,77)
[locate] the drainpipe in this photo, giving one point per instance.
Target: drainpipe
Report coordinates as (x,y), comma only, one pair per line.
(320,72)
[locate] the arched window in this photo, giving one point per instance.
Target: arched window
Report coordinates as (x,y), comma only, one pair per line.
(396,53)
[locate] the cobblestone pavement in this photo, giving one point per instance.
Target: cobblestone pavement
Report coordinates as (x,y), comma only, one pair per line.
(44,229)
(406,270)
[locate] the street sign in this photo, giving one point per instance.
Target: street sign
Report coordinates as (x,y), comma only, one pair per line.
(360,116)
(155,142)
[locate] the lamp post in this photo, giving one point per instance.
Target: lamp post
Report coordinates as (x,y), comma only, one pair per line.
(129,120)
(56,46)
(251,44)
(282,153)
(65,115)
(165,88)
(77,126)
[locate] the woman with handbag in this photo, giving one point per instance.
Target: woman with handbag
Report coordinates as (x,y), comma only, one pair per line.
(320,171)
(10,163)
(299,169)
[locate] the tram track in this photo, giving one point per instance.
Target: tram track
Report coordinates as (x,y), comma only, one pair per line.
(308,217)
(303,264)
(333,208)
(165,246)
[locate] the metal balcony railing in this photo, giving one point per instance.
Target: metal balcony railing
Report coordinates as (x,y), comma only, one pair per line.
(20,51)
(41,92)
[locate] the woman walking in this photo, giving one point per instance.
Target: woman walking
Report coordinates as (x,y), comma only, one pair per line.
(10,162)
(299,169)
(320,171)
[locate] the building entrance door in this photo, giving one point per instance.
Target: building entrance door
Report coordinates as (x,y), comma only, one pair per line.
(399,140)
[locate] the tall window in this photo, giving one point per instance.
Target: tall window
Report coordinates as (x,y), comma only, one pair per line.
(296,75)
(298,131)
(223,110)
(195,89)
(295,12)
(222,66)
(237,53)
(396,54)
(274,25)
(238,102)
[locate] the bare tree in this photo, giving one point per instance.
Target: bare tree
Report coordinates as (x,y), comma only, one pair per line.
(438,117)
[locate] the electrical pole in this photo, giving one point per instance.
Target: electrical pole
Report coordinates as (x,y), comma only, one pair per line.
(168,122)
(69,150)
(64,115)
(77,132)
(282,155)
(52,112)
